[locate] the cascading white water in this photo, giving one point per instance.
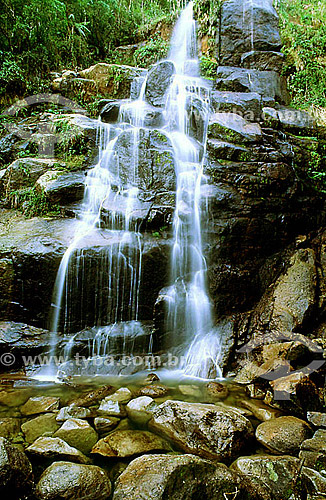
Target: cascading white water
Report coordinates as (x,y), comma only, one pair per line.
(98,281)
(100,271)
(189,306)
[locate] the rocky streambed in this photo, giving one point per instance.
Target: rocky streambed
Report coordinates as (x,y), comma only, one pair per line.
(155,440)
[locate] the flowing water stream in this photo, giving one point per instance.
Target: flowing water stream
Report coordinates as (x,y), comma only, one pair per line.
(99,277)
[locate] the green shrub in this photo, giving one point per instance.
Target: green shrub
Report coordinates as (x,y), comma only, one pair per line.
(151,52)
(303,31)
(32,203)
(47,35)
(11,74)
(208,67)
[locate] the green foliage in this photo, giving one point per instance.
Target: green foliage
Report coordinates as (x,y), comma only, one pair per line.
(10,70)
(208,67)
(317,168)
(39,36)
(32,203)
(151,52)
(303,31)
(75,162)
(208,14)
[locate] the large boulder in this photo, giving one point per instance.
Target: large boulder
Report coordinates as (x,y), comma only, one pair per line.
(67,480)
(270,475)
(158,81)
(203,429)
(181,477)
(62,187)
(109,80)
(16,476)
(283,434)
(247,26)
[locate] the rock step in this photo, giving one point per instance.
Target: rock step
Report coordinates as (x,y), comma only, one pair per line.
(268,84)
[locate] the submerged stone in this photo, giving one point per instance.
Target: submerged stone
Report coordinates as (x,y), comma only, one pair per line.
(126,443)
(42,425)
(78,433)
(40,404)
(154,391)
(92,397)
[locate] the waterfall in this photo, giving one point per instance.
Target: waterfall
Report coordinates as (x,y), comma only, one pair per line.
(98,280)
(189,307)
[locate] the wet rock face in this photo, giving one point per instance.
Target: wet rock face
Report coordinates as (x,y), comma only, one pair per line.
(269,84)
(31,254)
(247,26)
(158,80)
(246,104)
(155,170)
